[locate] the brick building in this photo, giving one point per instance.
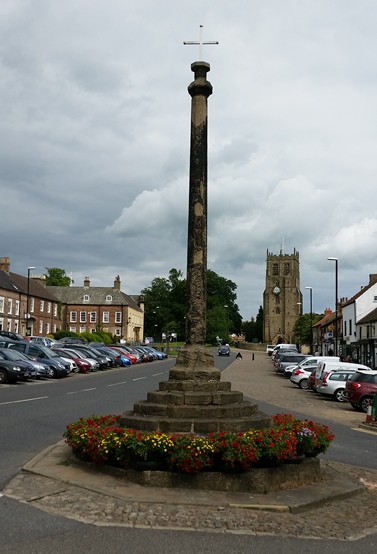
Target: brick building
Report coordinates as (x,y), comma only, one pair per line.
(21,296)
(87,308)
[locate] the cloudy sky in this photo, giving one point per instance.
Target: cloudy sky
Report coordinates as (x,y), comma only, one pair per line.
(95,122)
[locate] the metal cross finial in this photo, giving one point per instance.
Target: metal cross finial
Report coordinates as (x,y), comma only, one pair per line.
(201,43)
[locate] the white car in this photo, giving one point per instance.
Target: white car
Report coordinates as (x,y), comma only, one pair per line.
(334,383)
(300,376)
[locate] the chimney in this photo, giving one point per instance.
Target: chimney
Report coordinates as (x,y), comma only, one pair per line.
(41,279)
(5,264)
(328,311)
(86,282)
(117,283)
(372,278)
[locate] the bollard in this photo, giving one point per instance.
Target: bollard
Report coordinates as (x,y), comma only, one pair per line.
(368,418)
(252,356)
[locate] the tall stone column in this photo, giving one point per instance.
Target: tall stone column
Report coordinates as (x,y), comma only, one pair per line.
(194,399)
(200,89)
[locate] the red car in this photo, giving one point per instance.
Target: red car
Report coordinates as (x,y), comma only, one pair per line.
(360,389)
(131,357)
(82,365)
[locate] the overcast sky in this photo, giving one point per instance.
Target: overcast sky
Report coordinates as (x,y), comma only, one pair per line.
(95,123)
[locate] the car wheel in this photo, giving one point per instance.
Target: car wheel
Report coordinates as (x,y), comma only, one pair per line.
(303,384)
(364,403)
(76,370)
(3,376)
(338,395)
(355,406)
(53,373)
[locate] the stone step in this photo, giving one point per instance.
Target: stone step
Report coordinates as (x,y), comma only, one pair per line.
(194,398)
(198,386)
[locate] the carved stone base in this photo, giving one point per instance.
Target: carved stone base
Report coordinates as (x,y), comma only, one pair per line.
(195,400)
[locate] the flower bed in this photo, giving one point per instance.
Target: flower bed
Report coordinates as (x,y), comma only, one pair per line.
(101,440)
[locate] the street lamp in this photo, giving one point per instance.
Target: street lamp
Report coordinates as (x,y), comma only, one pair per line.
(336,303)
(27,315)
(227,324)
(299,304)
(311,318)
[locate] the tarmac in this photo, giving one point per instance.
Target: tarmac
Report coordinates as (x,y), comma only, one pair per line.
(343,506)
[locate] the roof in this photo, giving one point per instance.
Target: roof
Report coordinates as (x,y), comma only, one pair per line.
(14,282)
(97,296)
(372,316)
(329,318)
(372,281)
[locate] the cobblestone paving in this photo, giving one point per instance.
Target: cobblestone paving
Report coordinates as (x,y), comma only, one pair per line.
(347,519)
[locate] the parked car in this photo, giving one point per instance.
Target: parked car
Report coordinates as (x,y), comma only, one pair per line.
(311,380)
(133,359)
(300,377)
(11,336)
(224,350)
(360,389)
(44,340)
(308,364)
(35,369)
(114,356)
(71,340)
(270,348)
(282,353)
(83,366)
(281,346)
(327,365)
(288,360)
(56,366)
(10,372)
(334,383)
(104,361)
(94,365)
(125,360)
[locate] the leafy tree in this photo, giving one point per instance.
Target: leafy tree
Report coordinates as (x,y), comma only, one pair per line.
(165,306)
(302,329)
(57,277)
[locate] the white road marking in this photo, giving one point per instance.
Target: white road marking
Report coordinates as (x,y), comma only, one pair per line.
(25,400)
(82,390)
(115,384)
(156,374)
(138,378)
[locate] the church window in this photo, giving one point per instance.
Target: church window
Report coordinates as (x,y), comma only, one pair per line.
(275,269)
(286,268)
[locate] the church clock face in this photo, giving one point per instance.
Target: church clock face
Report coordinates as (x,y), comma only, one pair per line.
(276,290)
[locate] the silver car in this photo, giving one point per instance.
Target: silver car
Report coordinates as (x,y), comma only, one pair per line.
(334,383)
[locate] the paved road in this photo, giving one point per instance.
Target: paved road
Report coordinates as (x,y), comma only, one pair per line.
(29,424)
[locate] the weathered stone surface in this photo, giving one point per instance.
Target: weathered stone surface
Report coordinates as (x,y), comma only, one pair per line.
(177,385)
(229,397)
(168,397)
(147,408)
(257,480)
(200,398)
(206,375)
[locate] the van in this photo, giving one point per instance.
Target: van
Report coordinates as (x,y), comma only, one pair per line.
(326,366)
(281,346)
(269,348)
(308,364)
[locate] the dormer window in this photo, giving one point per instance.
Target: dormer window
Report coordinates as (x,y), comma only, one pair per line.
(86,298)
(109,298)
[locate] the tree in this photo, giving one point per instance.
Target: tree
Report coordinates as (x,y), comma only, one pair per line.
(165,306)
(57,277)
(302,330)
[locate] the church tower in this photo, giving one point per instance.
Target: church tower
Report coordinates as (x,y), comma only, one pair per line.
(282,298)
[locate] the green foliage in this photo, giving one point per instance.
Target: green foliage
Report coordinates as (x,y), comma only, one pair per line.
(253,330)
(165,306)
(57,277)
(60,334)
(302,328)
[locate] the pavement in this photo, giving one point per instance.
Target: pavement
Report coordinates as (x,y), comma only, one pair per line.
(343,506)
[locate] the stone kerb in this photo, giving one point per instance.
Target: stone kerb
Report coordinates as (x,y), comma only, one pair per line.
(257,480)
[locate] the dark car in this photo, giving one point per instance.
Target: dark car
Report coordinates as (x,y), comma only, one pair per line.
(360,389)
(11,336)
(224,350)
(35,370)
(104,361)
(56,366)
(10,372)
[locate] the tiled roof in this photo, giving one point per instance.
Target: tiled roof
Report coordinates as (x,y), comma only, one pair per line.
(97,296)
(14,282)
(373,281)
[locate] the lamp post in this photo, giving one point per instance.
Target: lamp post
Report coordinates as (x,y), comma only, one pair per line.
(27,315)
(299,304)
(336,303)
(227,324)
(311,318)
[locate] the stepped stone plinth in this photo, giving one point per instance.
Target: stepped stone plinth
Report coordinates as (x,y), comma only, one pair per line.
(195,400)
